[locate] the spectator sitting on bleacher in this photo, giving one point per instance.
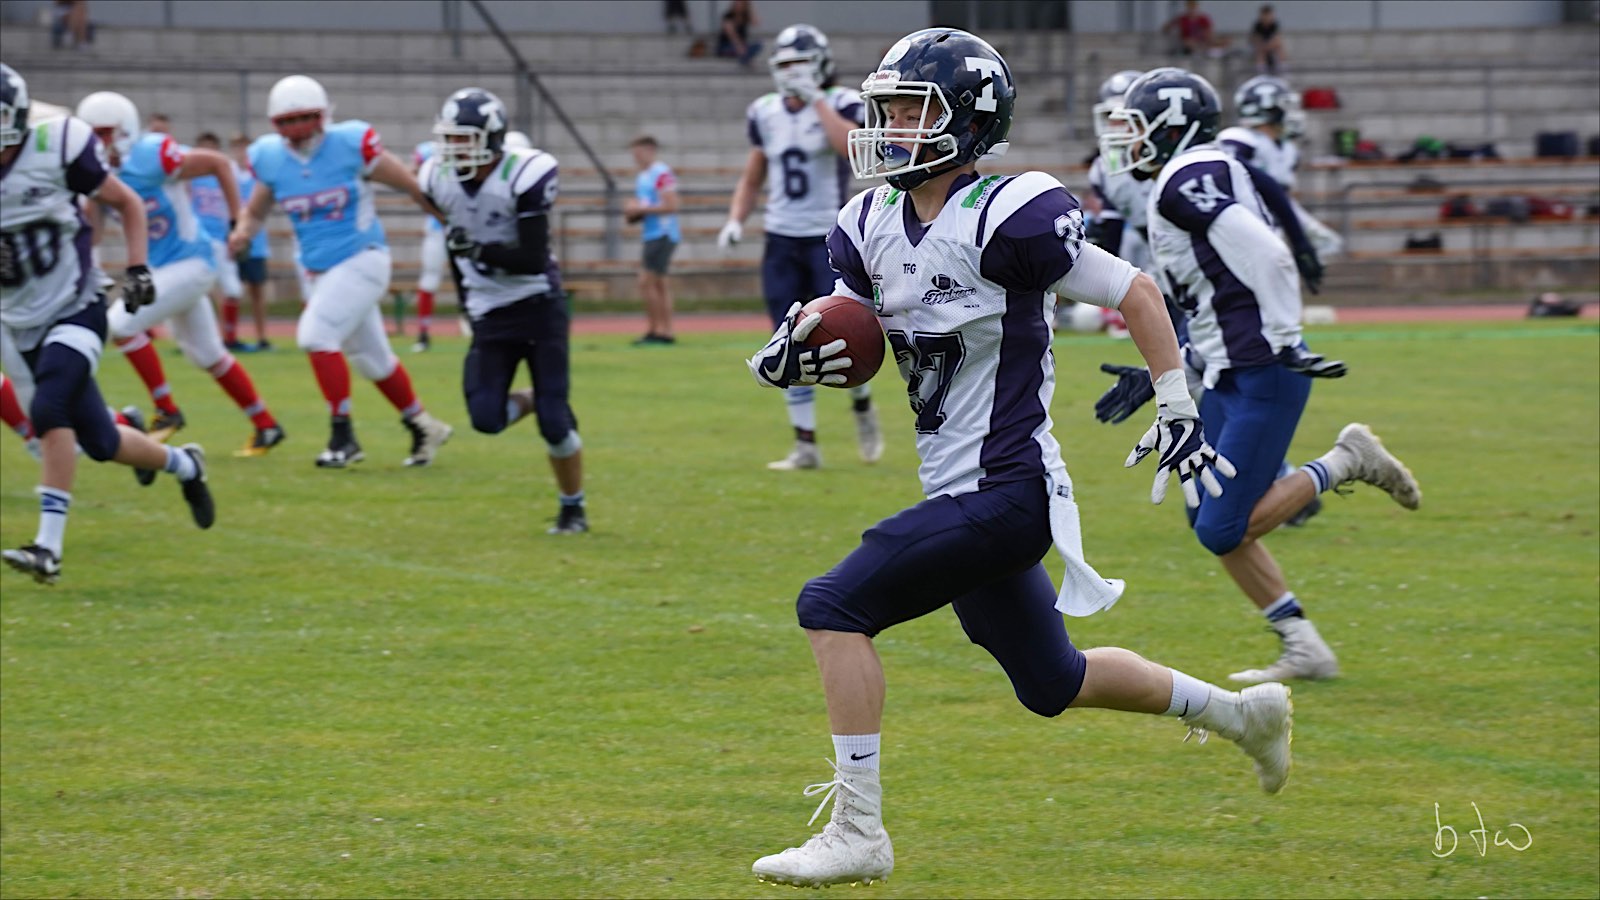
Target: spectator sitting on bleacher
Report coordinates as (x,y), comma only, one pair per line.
(1194,32)
(734,40)
(70,17)
(676,13)
(1267,40)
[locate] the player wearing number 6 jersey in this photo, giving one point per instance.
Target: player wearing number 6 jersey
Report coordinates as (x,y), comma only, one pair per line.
(320,173)
(798,139)
(184,263)
(53,315)
(963,271)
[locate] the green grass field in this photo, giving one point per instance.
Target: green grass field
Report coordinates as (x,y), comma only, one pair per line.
(392,683)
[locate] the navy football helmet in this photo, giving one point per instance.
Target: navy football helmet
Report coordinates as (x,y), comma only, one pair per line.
(1268,100)
(967,98)
(805,45)
(1110,97)
(13,107)
(471,131)
(1165,112)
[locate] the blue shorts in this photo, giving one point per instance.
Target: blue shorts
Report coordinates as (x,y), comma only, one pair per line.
(1250,417)
(794,269)
(980,553)
(253,270)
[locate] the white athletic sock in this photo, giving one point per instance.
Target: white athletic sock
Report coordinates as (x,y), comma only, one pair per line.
(802,407)
(53,504)
(181,464)
(1331,469)
(1190,695)
(857,750)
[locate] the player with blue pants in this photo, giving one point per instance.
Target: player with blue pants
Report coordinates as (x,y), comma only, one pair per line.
(320,173)
(798,145)
(975,354)
(1237,282)
(53,315)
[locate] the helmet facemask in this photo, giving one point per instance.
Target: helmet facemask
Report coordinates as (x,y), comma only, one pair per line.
(1128,129)
(462,149)
(874,148)
(785,62)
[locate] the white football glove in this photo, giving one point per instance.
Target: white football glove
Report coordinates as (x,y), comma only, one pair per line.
(784,363)
(731,233)
(1179,440)
(800,81)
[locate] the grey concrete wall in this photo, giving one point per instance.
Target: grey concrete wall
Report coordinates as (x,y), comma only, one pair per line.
(554,16)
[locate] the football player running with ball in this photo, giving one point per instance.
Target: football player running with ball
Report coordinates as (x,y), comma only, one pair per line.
(1211,232)
(320,172)
(497,202)
(53,315)
(980,376)
(798,137)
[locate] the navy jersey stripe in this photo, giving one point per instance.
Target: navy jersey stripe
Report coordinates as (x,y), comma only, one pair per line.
(1009,452)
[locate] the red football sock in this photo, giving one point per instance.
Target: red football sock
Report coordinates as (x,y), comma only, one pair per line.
(118,417)
(230,319)
(424,309)
(236,381)
(397,387)
(147,362)
(333,376)
(11,410)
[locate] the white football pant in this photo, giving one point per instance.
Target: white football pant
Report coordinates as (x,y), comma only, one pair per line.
(343,312)
(433,261)
(181,289)
(227,270)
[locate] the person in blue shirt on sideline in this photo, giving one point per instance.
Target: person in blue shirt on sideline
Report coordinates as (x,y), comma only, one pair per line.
(654,206)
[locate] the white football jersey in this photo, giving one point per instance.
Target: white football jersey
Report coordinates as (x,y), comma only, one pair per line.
(1276,159)
(46,268)
(523,184)
(1122,193)
(1213,237)
(806,181)
(967,306)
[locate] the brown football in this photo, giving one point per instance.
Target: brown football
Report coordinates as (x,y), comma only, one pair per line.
(857,324)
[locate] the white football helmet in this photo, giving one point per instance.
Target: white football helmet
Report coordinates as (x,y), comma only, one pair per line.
(516,140)
(297,95)
(109,109)
(801,44)
(1111,91)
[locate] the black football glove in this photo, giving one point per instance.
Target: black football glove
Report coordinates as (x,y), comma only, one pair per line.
(1132,390)
(459,243)
(1310,269)
(138,289)
(1304,362)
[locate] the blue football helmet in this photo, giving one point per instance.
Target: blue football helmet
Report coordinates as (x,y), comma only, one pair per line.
(1165,112)
(13,107)
(1268,100)
(480,118)
(805,45)
(1110,97)
(967,98)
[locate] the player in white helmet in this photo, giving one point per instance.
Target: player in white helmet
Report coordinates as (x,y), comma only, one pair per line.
(1271,123)
(320,172)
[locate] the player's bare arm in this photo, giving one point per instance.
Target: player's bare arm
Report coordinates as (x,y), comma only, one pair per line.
(391,172)
(744,197)
(200,162)
(251,218)
(1150,327)
(135,232)
(835,124)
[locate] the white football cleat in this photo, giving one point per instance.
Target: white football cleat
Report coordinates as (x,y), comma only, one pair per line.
(427,436)
(852,848)
(1377,466)
(1305,655)
(868,435)
(805,455)
(1260,720)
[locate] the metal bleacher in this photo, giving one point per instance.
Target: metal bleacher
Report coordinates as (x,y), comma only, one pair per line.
(1497,87)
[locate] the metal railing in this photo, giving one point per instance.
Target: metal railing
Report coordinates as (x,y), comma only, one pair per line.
(529,84)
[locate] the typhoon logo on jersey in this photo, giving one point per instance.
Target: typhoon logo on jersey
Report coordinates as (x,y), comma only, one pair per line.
(946,290)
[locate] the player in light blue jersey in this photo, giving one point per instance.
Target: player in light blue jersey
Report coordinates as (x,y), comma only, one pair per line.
(320,173)
(158,168)
(252,267)
(433,259)
(798,146)
(654,207)
(211,209)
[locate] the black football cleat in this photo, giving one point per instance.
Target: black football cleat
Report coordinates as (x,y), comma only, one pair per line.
(195,491)
(570,520)
(44,566)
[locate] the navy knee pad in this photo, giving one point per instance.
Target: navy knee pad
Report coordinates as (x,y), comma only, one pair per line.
(1050,697)
(100,440)
(819,609)
(1221,538)
(487,410)
(556,420)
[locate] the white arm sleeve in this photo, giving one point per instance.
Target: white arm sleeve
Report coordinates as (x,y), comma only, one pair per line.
(1098,278)
(1255,255)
